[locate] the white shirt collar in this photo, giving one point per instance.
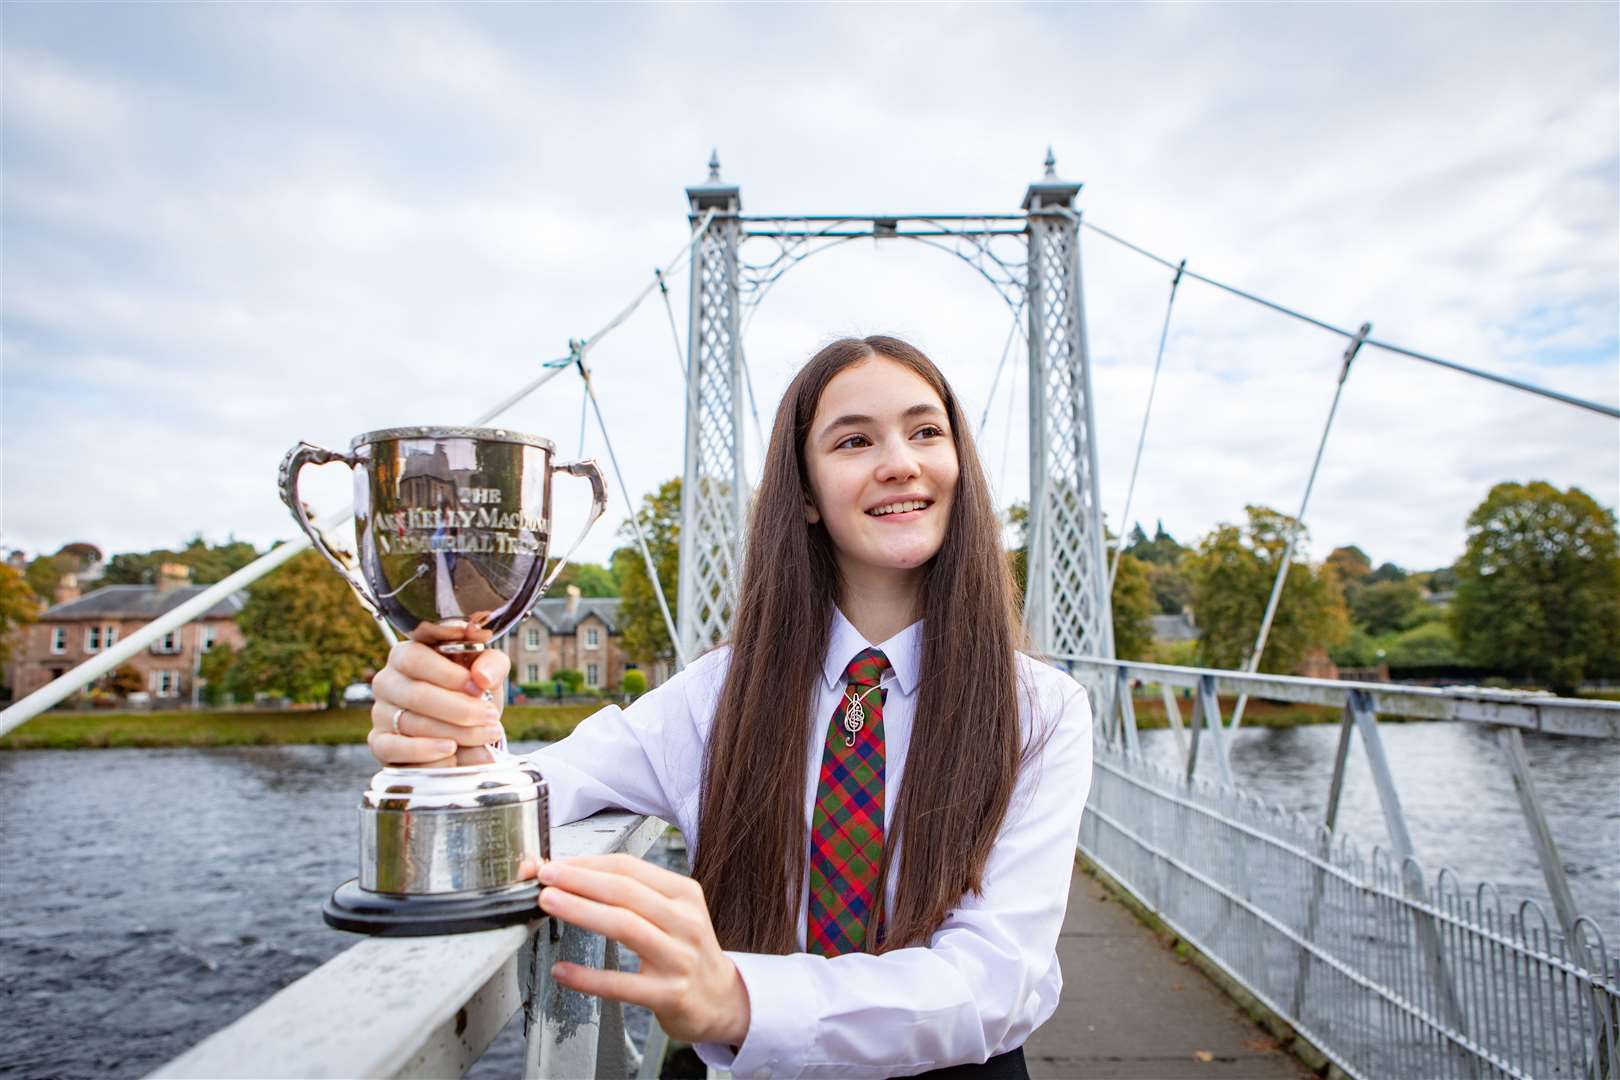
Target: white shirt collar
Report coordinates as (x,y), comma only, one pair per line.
(903,650)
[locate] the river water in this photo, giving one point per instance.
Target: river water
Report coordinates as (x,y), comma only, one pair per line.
(150,897)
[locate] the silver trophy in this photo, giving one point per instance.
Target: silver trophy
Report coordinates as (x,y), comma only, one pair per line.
(452,526)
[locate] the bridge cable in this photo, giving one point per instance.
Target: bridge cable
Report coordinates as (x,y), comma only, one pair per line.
(680,355)
(1390,347)
(76,678)
(1006,441)
(1141,439)
(995,382)
(635,524)
(1298,526)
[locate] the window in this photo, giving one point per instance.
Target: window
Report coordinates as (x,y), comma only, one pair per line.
(531,639)
(209,636)
(592,640)
(109,636)
(58,639)
(532,673)
(92,639)
(591,678)
(168,644)
(166,683)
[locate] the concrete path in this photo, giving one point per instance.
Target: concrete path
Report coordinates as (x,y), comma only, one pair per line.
(1132,1008)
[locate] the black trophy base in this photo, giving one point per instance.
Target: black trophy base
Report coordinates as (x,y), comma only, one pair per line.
(386,915)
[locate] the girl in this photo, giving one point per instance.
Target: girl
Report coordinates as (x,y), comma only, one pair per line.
(881,793)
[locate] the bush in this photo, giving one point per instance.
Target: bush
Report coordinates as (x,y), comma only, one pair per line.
(634,683)
(571,679)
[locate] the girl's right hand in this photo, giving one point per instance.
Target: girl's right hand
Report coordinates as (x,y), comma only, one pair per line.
(446,720)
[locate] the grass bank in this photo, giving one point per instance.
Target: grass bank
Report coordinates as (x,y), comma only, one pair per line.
(87,731)
(1257,713)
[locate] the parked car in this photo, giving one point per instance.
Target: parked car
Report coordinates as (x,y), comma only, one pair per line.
(358,694)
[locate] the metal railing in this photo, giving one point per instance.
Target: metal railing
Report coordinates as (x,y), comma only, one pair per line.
(1386,972)
(430,1006)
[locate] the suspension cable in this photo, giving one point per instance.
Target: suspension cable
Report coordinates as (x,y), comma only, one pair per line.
(1390,347)
(1298,525)
(635,524)
(680,357)
(1141,439)
(995,382)
(1006,444)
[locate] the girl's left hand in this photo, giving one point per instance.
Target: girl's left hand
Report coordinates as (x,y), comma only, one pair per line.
(689,984)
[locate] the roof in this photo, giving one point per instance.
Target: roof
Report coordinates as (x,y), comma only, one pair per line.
(139,602)
(553,613)
(1174,628)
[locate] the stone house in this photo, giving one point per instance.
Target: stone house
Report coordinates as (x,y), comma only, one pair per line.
(575,632)
(77,627)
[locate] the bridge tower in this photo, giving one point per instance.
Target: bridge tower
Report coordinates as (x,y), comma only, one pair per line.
(1067,608)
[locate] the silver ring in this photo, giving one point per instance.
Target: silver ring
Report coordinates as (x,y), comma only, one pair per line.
(397,714)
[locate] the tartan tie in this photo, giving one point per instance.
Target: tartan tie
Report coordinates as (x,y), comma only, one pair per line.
(846,830)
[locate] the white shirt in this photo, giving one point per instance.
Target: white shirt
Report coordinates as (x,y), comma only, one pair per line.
(987,977)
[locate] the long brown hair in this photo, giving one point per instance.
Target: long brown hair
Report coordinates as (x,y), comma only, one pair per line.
(965,753)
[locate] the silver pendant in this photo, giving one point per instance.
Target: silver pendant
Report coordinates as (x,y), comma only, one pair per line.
(854,720)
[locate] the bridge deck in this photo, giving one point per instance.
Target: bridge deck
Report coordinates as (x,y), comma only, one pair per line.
(1132,1008)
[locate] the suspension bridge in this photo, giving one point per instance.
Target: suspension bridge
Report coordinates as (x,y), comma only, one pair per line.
(1373,965)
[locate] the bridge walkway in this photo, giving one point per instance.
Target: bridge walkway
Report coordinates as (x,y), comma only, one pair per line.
(1132,1008)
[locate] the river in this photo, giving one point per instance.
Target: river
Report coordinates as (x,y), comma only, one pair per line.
(152,896)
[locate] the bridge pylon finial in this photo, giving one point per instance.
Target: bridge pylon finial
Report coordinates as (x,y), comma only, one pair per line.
(714,166)
(1051,164)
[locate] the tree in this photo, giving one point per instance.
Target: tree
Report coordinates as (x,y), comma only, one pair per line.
(591,579)
(1132,609)
(207,562)
(306,633)
(219,672)
(126,679)
(1538,586)
(1382,607)
(1429,644)
(43,574)
(19,605)
(1352,564)
(1172,592)
(645,637)
(571,678)
(1232,573)
(1387,572)
(634,683)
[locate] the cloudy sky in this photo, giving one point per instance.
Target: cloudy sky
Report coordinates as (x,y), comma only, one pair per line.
(227,228)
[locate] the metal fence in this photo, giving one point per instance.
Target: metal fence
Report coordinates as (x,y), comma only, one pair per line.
(1388,971)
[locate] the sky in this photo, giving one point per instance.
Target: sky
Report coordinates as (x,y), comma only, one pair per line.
(228,228)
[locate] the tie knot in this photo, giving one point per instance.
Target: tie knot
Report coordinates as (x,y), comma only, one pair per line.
(867,668)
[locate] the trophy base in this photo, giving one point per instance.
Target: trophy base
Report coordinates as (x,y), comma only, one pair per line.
(386,915)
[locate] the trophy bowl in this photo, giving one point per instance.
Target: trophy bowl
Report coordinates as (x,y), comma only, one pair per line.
(452,529)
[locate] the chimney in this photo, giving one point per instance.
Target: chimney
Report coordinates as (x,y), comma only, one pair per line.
(67,588)
(171,576)
(573,601)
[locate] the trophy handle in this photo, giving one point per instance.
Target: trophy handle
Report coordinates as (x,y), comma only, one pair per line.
(589,470)
(309,454)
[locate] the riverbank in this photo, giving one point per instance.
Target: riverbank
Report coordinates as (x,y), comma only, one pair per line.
(1257,713)
(89,731)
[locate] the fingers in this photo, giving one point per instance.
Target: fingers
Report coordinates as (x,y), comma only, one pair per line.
(402,689)
(654,946)
(673,885)
(391,749)
(428,665)
(618,890)
(425,727)
(490,669)
(619,985)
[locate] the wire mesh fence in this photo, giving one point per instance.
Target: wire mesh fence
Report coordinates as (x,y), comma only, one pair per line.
(1387,972)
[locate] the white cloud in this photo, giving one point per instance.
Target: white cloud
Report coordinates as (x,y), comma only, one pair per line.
(227,229)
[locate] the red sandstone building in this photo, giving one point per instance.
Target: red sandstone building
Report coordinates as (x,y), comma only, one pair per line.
(76,628)
(575,632)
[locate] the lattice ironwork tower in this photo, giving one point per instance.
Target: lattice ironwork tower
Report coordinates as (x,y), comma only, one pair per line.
(1067,606)
(713,488)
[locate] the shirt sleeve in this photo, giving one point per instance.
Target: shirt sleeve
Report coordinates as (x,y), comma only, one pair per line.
(981,984)
(646,759)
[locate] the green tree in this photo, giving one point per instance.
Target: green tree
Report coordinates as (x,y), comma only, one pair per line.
(1172,592)
(571,678)
(1132,609)
(1352,564)
(1429,644)
(219,672)
(1538,587)
(19,606)
(126,679)
(306,633)
(645,638)
(207,562)
(1232,573)
(634,683)
(43,574)
(592,579)
(1382,607)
